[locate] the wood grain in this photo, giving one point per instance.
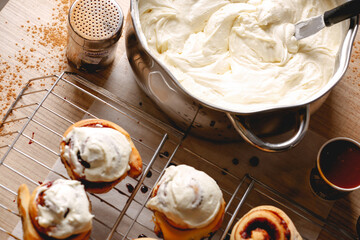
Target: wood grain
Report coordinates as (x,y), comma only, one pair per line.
(27,52)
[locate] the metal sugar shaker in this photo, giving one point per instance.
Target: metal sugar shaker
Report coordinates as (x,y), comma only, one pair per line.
(94,28)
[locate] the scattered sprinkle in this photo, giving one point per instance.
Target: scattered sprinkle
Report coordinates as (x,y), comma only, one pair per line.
(47,38)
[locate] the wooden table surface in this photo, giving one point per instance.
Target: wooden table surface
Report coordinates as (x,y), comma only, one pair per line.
(32,44)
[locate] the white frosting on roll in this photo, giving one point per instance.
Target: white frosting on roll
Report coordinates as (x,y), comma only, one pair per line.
(66,209)
(104,153)
(241,54)
(187,197)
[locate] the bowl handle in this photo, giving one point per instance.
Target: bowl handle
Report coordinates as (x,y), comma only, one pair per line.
(246,133)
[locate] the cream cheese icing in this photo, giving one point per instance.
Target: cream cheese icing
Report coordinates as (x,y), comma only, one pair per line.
(186,196)
(242,54)
(99,154)
(66,208)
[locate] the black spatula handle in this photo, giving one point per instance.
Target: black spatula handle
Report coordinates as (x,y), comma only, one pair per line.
(342,12)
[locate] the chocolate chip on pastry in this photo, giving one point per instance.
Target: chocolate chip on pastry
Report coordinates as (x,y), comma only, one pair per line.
(100,154)
(265,222)
(55,210)
(187,204)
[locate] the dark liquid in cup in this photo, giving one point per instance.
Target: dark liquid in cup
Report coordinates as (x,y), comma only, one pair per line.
(340,163)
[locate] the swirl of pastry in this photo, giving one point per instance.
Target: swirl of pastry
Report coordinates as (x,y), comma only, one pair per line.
(188,197)
(98,154)
(99,151)
(55,210)
(265,222)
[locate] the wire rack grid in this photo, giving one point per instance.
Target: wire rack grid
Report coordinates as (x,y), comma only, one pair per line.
(40,115)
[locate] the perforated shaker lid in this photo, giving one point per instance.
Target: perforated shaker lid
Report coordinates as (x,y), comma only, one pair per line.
(95,23)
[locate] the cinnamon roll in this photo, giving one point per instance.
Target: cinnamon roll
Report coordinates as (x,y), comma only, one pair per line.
(55,210)
(187,204)
(100,154)
(265,222)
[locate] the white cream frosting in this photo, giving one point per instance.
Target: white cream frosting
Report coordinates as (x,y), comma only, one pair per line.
(241,54)
(106,152)
(187,197)
(66,209)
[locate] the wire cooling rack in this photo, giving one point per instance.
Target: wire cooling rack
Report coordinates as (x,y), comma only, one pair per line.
(30,154)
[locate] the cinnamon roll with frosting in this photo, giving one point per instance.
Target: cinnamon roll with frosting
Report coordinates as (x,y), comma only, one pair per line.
(100,154)
(55,210)
(265,222)
(187,204)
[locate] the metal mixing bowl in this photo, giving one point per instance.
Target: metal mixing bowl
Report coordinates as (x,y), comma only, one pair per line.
(212,122)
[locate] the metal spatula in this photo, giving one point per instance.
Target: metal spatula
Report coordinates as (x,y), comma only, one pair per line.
(311,26)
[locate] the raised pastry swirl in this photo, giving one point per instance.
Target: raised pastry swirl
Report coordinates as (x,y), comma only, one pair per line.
(187,197)
(265,223)
(55,210)
(63,204)
(98,153)
(187,204)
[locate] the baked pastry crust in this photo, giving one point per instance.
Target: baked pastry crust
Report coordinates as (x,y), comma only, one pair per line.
(28,211)
(265,222)
(135,161)
(168,230)
(194,215)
